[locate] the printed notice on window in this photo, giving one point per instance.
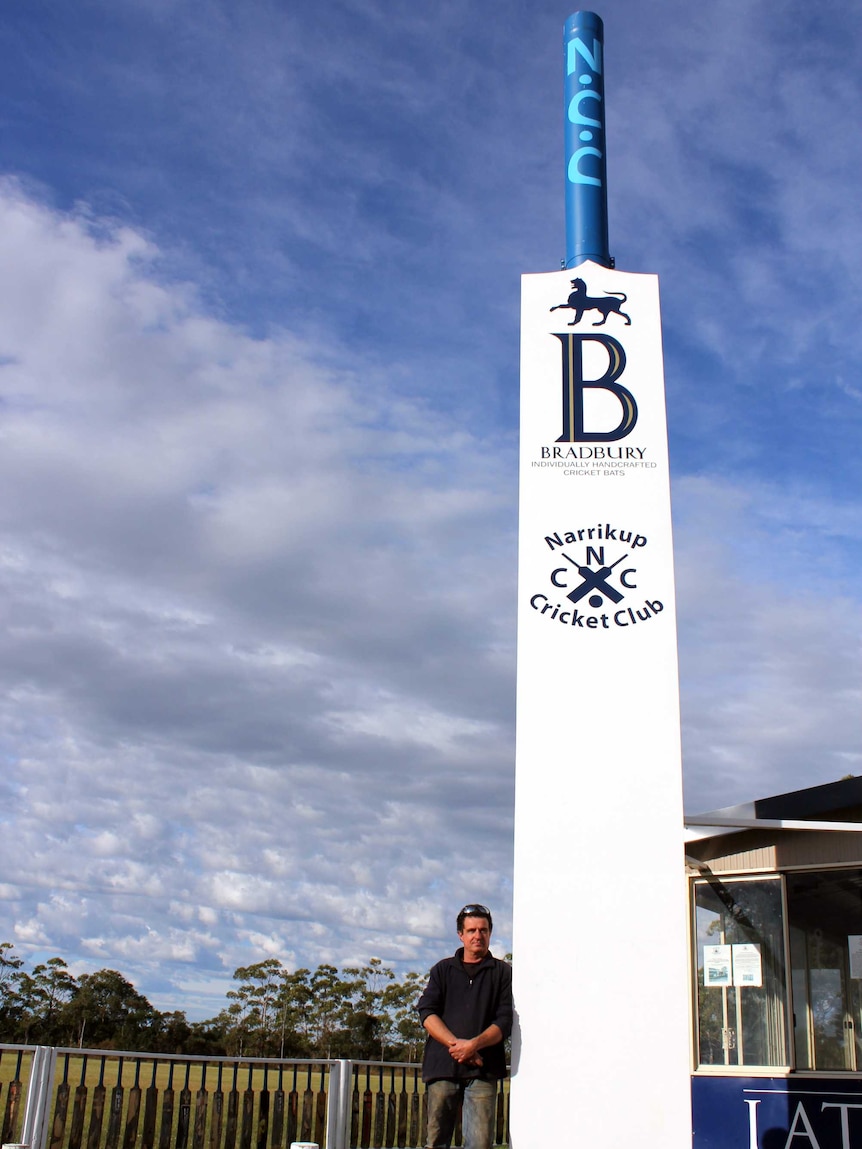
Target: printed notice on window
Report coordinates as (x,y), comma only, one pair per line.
(747,968)
(854,941)
(717,966)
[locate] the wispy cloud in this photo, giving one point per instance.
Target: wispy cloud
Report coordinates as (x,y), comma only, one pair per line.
(257,620)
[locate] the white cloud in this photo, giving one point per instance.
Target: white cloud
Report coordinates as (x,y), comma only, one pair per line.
(257,553)
(770,629)
(240,626)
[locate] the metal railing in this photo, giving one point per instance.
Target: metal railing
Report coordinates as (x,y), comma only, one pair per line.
(64,1098)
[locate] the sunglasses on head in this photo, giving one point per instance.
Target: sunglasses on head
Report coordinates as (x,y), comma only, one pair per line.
(471,910)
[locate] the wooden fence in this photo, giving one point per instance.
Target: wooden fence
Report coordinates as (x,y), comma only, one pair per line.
(117,1100)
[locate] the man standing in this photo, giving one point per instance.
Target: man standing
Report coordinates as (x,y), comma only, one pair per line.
(466,1010)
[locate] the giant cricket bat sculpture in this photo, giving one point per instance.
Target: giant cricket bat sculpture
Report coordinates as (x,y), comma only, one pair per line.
(601,1049)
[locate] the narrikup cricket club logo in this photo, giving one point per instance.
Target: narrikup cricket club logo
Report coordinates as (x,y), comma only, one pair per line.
(594,579)
(576,382)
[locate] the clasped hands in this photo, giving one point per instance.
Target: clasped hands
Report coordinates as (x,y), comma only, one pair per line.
(465,1051)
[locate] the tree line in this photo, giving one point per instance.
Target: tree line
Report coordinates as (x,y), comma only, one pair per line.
(360,1012)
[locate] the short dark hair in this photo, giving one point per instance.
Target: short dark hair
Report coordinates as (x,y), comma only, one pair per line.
(474,910)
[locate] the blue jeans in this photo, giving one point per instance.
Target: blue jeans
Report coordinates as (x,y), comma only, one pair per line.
(477,1116)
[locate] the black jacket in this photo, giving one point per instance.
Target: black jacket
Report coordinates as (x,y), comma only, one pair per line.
(468,1003)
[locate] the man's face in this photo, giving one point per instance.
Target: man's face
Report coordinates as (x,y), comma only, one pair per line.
(475,938)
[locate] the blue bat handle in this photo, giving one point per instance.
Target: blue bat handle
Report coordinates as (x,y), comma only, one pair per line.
(586,168)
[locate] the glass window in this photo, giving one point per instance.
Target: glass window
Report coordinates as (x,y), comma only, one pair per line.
(741,993)
(824,911)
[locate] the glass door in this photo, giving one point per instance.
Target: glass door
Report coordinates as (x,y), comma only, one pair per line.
(741,988)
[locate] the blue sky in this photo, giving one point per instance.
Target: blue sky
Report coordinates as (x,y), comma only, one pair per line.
(259,281)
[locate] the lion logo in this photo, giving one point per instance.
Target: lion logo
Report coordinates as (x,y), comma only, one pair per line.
(579,302)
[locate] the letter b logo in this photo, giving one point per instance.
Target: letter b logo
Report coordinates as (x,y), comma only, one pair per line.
(574,385)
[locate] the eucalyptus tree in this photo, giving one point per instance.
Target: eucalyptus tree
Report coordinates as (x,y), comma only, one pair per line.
(254,1004)
(9,964)
(106,1011)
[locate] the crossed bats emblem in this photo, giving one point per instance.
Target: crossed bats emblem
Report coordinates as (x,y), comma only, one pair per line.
(594,580)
